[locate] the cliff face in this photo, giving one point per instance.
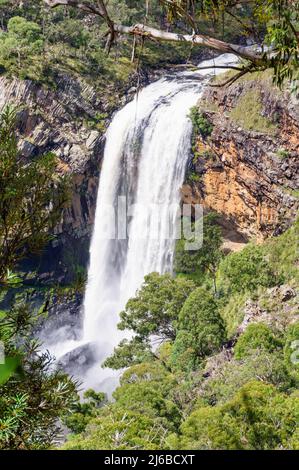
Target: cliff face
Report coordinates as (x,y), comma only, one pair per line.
(70,121)
(247,169)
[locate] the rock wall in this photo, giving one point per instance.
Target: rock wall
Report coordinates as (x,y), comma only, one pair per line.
(249,176)
(240,172)
(70,121)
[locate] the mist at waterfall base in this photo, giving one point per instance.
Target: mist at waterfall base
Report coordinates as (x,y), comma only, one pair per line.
(147,148)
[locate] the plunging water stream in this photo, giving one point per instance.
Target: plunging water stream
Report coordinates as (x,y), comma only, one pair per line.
(146,153)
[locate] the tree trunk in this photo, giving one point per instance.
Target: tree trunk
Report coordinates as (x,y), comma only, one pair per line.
(197,39)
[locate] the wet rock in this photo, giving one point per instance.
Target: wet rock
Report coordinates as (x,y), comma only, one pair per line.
(63,320)
(79,360)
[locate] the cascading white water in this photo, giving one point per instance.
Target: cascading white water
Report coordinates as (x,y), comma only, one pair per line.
(147,148)
(145,157)
(146,152)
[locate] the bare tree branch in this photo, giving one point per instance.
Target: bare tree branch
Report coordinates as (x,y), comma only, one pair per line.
(197,39)
(231,80)
(99,8)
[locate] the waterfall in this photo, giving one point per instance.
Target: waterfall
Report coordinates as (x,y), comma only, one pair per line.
(148,144)
(147,148)
(146,153)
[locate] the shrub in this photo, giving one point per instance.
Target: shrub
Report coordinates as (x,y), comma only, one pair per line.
(256,336)
(84,411)
(201,330)
(156,306)
(29,189)
(228,377)
(283,254)
(282,153)
(246,270)
(152,312)
(22,41)
(119,429)
(205,260)
(233,311)
(258,417)
(201,122)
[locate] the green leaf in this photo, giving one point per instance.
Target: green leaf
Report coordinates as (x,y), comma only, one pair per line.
(8,368)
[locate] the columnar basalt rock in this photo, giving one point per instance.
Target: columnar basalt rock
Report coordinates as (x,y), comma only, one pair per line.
(56,121)
(69,120)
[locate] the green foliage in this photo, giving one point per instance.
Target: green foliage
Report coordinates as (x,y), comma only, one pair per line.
(22,41)
(283,254)
(248,421)
(206,259)
(98,122)
(80,278)
(70,31)
(193,177)
(120,429)
(74,43)
(188,393)
(33,395)
(291,348)
(282,20)
(246,270)
(71,44)
(201,123)
(200,330)
(12,279)
(156,306)
(256,336)
(154,311)
(24,30)
(82,412)
(8,368)
(143,413)
(32,197)
(148,387)
(282,153)
(183,394)
(229,376)
(206,154)
(272,23)
(232,311)
(129,353)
